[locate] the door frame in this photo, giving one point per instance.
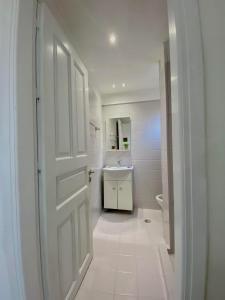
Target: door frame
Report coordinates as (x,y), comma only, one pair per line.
(17,152)
(189,148)
(20,277)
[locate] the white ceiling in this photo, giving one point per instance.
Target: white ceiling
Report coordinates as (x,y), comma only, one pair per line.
(141,27)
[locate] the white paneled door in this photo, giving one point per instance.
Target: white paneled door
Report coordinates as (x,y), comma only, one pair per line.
(63,161)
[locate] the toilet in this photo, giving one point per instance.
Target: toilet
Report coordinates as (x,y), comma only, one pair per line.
(159,199)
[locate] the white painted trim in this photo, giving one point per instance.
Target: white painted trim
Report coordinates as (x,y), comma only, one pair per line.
(19,242)
(189,139)
(19,251)
(11,273)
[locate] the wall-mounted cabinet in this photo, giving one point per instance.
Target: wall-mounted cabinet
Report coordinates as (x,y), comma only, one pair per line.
(118,134)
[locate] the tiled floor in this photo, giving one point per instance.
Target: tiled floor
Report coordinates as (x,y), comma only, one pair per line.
(126,263)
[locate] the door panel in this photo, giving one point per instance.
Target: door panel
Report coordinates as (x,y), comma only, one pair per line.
(69,184)
(83,228)
(80,109)
(63,159)
(110,194)
(66,255)
(125,195)
(63,101)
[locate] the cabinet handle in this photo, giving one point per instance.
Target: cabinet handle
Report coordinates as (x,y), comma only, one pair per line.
(121,188)
(114,188)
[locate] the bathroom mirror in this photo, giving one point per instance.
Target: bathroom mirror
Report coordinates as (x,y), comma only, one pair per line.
(118,134)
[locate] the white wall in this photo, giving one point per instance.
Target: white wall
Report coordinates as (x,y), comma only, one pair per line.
(95,154)
(213,33)
(132,96)
(145,148)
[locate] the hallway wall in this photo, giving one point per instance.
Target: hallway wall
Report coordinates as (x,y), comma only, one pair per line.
(95,154)
(145,152)
(213,24)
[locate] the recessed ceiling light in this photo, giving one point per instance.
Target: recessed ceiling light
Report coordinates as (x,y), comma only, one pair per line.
(112,39)
(113,85)
(123,84)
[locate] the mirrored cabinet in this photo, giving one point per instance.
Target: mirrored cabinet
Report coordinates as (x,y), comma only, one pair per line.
(118,134)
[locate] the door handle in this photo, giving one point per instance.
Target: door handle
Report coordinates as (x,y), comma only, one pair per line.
(90,172)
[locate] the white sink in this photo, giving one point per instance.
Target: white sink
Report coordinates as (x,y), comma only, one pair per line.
(117,168)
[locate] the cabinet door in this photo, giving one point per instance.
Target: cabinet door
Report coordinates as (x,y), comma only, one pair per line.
(110,194)
(125,201)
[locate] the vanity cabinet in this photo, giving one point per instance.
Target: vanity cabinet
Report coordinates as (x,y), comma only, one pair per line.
(118,190)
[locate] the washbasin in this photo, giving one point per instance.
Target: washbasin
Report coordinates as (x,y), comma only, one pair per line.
(117,168)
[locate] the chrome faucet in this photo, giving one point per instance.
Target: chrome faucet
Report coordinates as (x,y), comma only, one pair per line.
(119,162)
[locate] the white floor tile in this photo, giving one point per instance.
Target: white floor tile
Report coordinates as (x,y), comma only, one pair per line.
(126,284)
(149,278)
(123,297)
(113,247)
(93,295)
(128,237)
(168,271)
(104,262)
(142,237)
(100,246)
(127,248)
(100,281)
(144,250)
(139,213)
(126,261)
(106,245)
(150,298)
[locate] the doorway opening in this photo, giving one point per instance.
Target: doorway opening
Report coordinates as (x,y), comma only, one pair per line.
(105,146)
(107,85)
(66,249)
